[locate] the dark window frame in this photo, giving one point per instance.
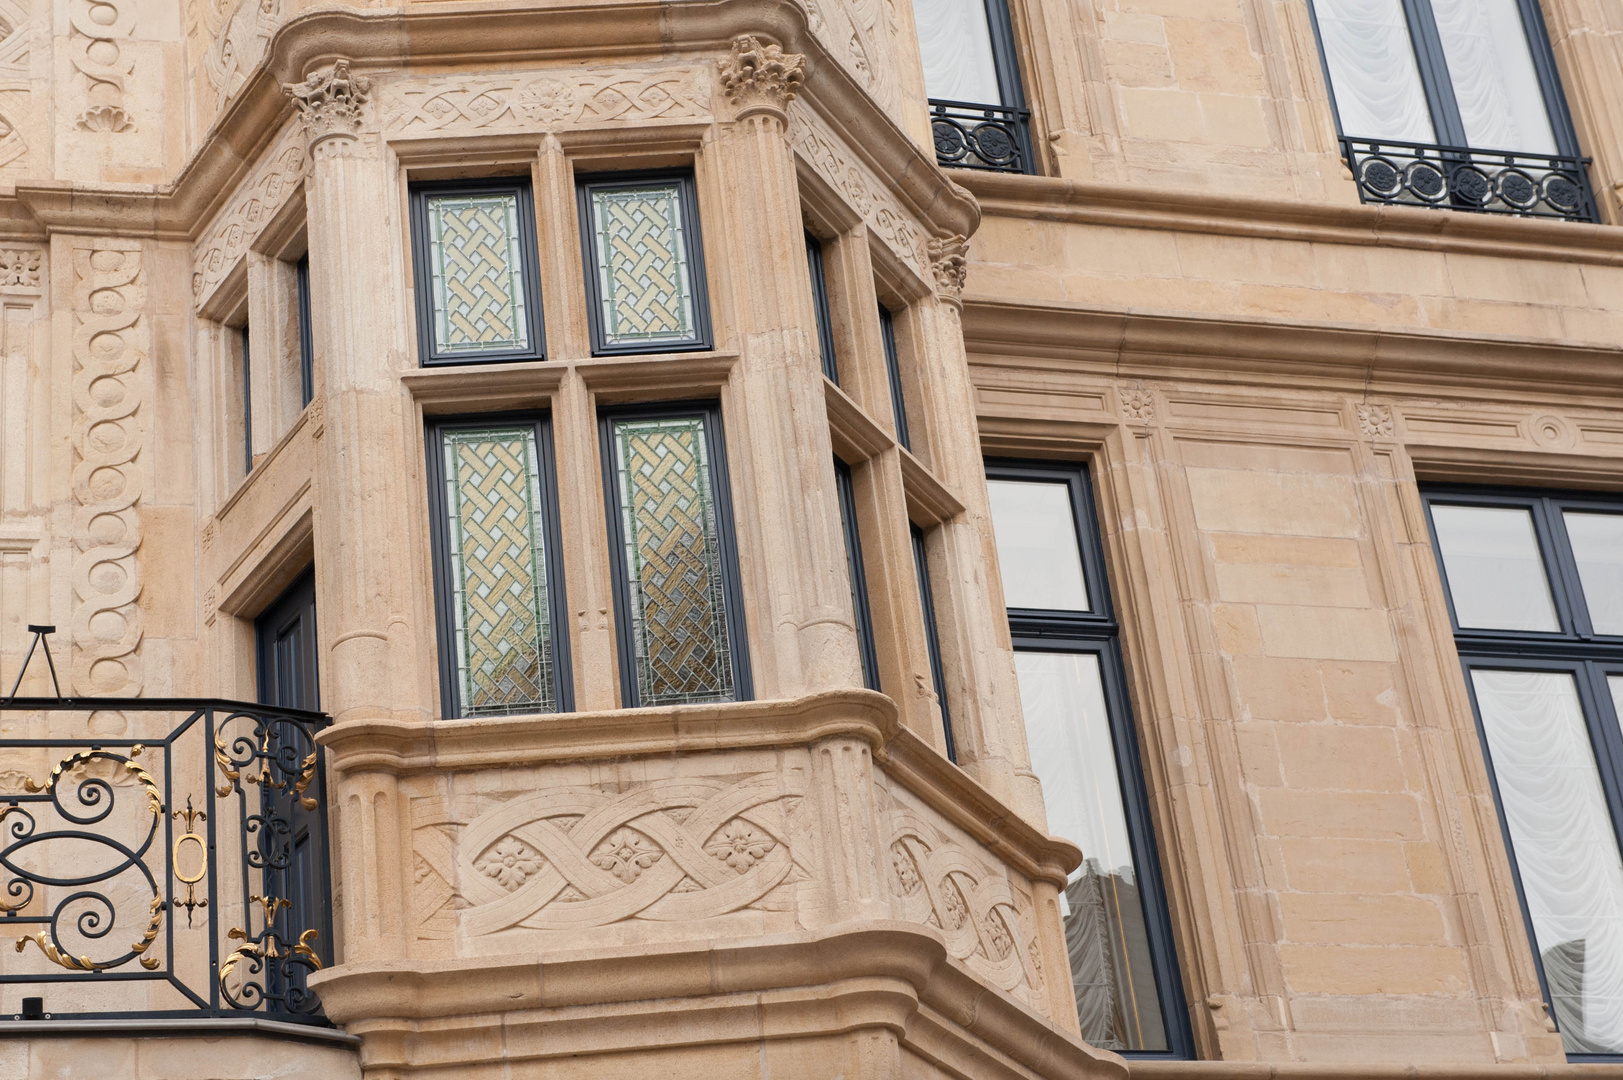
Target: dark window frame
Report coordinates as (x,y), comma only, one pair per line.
(307,346)
(693,235)
(932,635)
(820,302)
(1447,125)
(429,354)
(893,375)
(1097,632)
(1012,117)
(1589,657)
(244,339)
(862,611)
(451,704)
(726,540)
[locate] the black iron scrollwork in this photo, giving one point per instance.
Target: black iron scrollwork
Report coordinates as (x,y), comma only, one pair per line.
(1479,181)
(988,137)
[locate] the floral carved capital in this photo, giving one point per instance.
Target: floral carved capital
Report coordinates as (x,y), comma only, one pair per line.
(949,262)
(761,78)
(330,103)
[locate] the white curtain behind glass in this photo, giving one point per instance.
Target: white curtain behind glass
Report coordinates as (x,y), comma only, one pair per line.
(1373,70)
(1565,847)
(956,46)
(1495,569)
(1490,65)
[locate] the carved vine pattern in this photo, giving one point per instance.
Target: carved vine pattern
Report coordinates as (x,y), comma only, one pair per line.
(538,102)
(856,185)
(100,48)
(257,201)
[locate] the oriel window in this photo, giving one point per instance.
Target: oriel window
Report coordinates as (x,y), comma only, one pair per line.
(825,322)
(932,636)
(1452,103)
(478,283)
(893,375)
(861,611)
(1535,590)
(1084,750)
(498,577)
(679,609)
(644,263)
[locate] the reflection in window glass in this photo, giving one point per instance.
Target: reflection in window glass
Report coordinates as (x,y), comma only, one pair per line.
(642,264)
(498,572)
(1073,754)
(1565,848)
(1597,548)
(1495,574)
(673,560)
(477,274)
(1037,549)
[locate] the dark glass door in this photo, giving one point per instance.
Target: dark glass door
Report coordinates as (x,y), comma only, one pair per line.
(292,818)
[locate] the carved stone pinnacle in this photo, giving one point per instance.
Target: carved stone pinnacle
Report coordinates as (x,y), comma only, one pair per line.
(949,262)
(761,78)
(330,102)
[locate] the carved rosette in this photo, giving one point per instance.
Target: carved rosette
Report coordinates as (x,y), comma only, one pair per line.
(761,79)
(20,268)
(330,103)
(949,264)
(110,343)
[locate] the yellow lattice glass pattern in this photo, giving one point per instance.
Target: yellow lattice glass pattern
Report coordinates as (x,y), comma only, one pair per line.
(478,277)
(679,620)
(498,571)
(643,266)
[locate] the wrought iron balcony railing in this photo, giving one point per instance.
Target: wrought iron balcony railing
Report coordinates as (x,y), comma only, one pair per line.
(991,137)
(161,858)
(1479,181)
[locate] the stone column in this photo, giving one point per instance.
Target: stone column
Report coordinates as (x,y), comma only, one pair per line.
(364,530)
(793,548)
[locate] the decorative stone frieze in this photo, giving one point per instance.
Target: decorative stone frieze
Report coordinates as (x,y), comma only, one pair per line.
(855,183)
(19,268)
(761,78)
(541,102)
(257,202)
(110,344)
(98,46)
(329,102)
(238,44)
(949,264)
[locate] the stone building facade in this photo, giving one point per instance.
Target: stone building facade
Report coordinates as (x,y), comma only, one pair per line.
(810,538)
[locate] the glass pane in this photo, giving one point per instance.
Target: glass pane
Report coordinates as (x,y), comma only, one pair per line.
(478,275)
(893,375)
(642,261)
(1373,70)
(1037,549)
(1491,67)
(498,571)
(1074,755)
(1616,684)
(679,620)
(1565,847)
(955,44)
(1597,547)
(1495,573)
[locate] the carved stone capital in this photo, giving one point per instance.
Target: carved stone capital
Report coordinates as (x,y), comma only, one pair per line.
(949,262)
(761,78)
(330,103)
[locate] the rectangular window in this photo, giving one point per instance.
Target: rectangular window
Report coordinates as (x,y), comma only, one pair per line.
(644,263)
(307,346)
(893,374)
(247,402)
(676,588)
(825,322)
(1452,103)
(1532,581)
(859,580)
(478,283)
(1084,750)
(498,574)
(932,637)
(972,77)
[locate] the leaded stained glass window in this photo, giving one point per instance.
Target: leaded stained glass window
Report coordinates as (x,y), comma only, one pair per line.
(681,640)
(478,297)
(496,547)
(644,268)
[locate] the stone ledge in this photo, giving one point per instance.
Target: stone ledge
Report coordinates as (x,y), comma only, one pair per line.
(169,1027)
(872,976)
(1145,1069)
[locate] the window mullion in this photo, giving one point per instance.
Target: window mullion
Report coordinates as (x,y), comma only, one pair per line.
(1428,49)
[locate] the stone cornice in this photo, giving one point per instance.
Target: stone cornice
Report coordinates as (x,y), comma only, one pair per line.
(482,36)
(880,975)
(1148,342)
(408,746)
(1135,206)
